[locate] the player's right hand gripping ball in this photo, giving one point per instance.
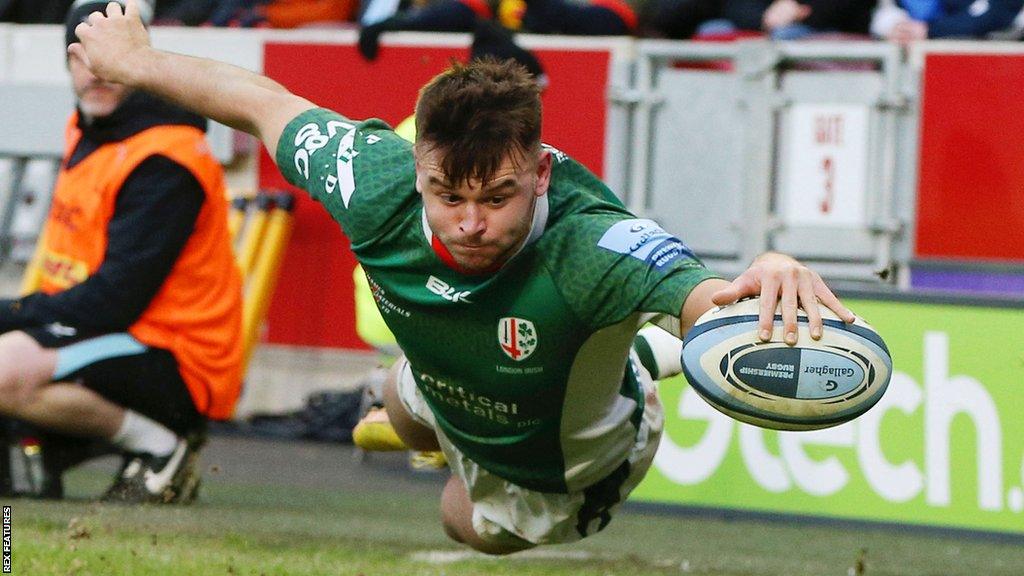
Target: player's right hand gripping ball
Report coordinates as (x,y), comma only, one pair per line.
(814,384)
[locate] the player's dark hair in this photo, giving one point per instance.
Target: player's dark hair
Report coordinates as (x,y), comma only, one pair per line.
(476,113)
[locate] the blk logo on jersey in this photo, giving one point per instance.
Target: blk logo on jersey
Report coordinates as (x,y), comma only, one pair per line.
(446,291)
(517,337)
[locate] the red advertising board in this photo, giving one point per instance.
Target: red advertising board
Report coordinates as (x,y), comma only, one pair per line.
(970,202)
(313,304)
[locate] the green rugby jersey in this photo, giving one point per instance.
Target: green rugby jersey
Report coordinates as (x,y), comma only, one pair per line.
(526,370)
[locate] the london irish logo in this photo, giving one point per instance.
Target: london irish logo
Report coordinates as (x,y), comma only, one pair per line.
(517,337)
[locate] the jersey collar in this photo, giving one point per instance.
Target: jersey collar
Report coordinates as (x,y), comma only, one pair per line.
(537,227)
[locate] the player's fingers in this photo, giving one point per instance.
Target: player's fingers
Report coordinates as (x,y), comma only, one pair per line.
(114,9)
(81,31)
(95,17)
(77,51)
(736,289)
(769,300)
(724,296)
(809,302)
(790,290)
(131,9)
(832,303)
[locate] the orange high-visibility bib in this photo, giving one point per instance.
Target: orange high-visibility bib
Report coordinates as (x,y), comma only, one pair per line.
(197,313)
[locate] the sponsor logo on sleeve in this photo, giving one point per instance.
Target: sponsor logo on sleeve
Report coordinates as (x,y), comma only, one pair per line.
(644,240)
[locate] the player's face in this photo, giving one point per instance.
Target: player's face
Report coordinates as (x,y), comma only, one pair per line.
(96,98)
(482,223)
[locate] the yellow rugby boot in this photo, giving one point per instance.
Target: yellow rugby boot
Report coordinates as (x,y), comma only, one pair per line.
(375,433)
(433,460)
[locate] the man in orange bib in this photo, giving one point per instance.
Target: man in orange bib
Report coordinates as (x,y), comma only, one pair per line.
(134,337)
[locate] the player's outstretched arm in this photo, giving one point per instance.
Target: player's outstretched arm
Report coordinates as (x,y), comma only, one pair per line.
(116,48)
(773,277)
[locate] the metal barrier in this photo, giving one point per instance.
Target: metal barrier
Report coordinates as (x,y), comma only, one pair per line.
(752,146)
(33,118)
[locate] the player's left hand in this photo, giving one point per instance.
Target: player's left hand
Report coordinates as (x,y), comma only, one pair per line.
(112,44)
(777,277)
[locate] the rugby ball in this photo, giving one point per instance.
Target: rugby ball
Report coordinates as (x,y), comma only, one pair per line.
(811,385)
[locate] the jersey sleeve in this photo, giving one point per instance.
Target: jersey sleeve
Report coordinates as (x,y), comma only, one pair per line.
(615,264)
(360,171)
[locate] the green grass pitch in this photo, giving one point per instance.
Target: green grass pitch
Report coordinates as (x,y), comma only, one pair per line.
(357,521)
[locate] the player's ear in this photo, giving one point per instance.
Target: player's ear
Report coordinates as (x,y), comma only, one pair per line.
(419,167)
(420,178)
(544,163)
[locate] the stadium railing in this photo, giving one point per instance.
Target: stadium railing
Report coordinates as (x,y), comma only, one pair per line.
(759,134)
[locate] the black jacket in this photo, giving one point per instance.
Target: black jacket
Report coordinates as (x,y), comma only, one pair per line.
(154,215)
(851,16)
(958,20)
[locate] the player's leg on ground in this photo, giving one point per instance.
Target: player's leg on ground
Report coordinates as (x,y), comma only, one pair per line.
(457,517)
(415,435)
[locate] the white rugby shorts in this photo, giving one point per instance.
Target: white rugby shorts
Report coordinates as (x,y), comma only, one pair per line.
(506,512)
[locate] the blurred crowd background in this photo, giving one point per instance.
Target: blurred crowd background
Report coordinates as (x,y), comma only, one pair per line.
(895,20)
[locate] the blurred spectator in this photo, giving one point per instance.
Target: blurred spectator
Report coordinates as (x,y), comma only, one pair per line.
(910,20)
(187,12)
(779,19)
(574,17)
(592,18)
(296,13)
(251,13)
(787,19)
(1016,29)
(680,19)
(34,11)
(440,16)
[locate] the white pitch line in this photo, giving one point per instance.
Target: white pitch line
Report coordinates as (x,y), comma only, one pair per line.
(452,556)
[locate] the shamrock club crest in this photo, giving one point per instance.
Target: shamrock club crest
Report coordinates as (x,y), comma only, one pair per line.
(517,337)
